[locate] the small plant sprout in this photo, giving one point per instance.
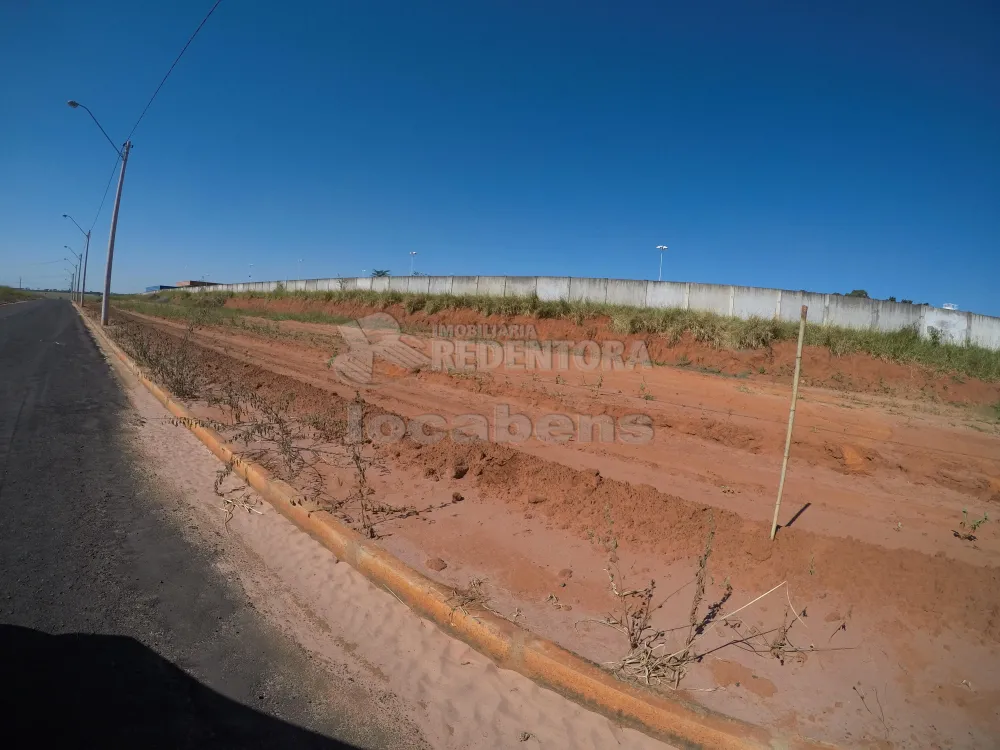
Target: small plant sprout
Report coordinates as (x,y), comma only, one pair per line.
(970,527)
(644,392)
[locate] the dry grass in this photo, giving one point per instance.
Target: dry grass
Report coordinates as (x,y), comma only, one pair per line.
(654,659)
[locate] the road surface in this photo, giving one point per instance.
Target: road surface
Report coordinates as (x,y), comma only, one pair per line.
(116,629)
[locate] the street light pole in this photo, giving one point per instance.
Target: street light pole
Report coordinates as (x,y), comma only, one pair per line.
(662,249)
(123,154)
(111,238)
(412,253)
(79,263)
(71,271)
(86,258)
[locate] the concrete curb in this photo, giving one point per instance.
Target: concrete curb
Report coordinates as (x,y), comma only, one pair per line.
(676,721)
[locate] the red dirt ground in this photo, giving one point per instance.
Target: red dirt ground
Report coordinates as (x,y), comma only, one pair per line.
(876,487)
(860,373)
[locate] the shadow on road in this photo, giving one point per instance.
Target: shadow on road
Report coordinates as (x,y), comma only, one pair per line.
(111,691)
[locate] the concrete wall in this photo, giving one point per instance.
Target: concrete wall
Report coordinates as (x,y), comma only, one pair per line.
(491,286)
(627,292)
(667,294)
(464,285)
(750,301)
(590,290)
(551,288)
(711,297)
(954,326)
(419,284)
(439,284)
(891,316)
(984,331)
(520,286)
(951,325)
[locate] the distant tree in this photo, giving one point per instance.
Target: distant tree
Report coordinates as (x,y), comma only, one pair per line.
(907,301)
(892,299)
(420,273)
(380,273)
(859,293)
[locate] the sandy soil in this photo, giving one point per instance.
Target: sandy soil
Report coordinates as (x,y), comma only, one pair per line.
(899,619)
(452,696)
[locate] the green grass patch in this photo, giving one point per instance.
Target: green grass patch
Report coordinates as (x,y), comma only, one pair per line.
(10,294)
(213,313)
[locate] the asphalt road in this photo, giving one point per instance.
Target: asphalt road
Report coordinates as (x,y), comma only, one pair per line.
(115,629)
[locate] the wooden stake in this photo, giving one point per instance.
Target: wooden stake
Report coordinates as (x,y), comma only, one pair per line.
(791,420)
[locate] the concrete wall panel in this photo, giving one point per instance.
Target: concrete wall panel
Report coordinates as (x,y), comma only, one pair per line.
(626,292)
(380,283)
(419,284)
(399,283)
(491,286)
(439,284)
(984,331)
(589,290)
(464,285)
(792,301)
(750,301)
(893,316)
(663,294)
(520,286)
(552,288)
(710,297)
(851,312)
(952,325)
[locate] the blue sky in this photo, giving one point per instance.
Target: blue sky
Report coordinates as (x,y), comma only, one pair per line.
(768,144)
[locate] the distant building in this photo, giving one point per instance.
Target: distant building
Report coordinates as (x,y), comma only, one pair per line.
(158,288)
(195,283)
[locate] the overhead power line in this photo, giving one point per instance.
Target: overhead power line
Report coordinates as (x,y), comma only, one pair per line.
(114,168)
(172,66)
(105,196)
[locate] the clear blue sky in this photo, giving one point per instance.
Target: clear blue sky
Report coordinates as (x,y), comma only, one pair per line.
(856,146)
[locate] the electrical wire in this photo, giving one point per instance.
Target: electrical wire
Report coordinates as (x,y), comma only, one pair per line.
(171,69)
(105,197)
(114,168)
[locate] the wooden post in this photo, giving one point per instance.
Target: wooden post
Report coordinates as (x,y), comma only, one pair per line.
(791,419)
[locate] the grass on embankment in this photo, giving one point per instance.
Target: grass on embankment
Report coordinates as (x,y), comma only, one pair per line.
(720,331)
(10,294)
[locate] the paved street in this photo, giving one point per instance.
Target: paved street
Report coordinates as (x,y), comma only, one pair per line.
(115,628)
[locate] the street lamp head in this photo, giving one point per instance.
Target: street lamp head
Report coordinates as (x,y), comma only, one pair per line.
(661,248)
(73,104)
